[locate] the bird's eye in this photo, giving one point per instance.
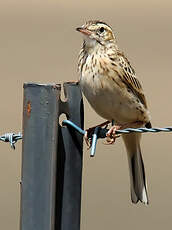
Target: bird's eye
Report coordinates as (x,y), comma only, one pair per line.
(102,29)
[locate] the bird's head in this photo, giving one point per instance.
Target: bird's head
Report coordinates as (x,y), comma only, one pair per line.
(96,32)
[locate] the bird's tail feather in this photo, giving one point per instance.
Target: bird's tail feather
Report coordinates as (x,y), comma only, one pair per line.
(136,168)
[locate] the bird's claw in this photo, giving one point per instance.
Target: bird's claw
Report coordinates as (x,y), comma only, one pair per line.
(111,134)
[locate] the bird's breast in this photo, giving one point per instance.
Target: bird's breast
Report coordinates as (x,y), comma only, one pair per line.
(107,95)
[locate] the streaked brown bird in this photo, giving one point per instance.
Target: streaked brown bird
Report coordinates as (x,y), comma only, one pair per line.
(111,87)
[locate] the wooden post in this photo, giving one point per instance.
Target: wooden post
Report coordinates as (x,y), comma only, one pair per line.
(51,159)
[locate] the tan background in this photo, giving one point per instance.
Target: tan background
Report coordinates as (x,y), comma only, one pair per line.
(38,43)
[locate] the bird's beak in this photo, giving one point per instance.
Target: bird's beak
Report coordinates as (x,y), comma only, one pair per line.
(84,31)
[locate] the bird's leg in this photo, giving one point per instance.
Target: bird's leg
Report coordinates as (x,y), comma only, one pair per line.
(111,134)
(89,132)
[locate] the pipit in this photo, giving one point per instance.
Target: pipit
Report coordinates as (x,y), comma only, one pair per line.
(111,87)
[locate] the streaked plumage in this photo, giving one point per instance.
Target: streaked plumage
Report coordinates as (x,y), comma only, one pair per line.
(111,87)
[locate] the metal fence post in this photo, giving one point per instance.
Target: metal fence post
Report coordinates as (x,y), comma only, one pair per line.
(69,162)
(51,159)
(40,129)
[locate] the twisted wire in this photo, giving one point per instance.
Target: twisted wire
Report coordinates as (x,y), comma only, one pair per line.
(11,138)
(98,133)
(103,131)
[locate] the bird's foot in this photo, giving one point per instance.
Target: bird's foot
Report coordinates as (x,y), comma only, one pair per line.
(89,132)
(111,134)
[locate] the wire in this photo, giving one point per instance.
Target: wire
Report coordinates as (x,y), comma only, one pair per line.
(11,138)
(101,132)
(98,133)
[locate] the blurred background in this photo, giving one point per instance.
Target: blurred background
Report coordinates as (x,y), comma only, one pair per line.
(38,43)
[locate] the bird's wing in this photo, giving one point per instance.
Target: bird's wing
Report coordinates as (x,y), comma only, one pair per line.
(128,77)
